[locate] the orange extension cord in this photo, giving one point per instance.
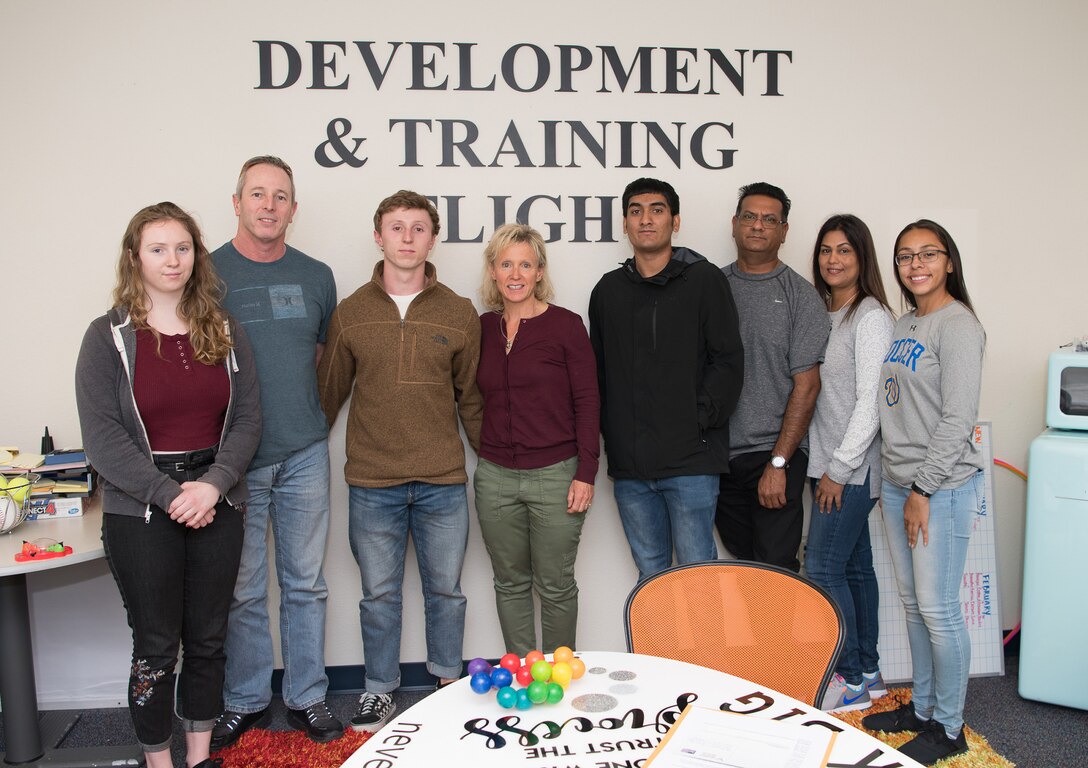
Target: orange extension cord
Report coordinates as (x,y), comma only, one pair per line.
(1023,476)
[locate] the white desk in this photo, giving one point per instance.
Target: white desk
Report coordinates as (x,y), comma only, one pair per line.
(613,716)
(31,738)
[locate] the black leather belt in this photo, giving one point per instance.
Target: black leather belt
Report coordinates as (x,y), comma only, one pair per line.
(180,462)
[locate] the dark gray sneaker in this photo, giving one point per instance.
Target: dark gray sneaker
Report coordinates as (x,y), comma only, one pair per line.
(373,712)
(897,720)
(231,725)
(317,721)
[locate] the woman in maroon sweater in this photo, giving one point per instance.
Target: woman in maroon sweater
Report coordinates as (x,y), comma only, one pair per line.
(539,445)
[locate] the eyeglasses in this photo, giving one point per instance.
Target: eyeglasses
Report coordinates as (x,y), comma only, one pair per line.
(906,258)
(748,219)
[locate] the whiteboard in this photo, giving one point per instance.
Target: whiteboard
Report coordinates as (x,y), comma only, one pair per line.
(978,593)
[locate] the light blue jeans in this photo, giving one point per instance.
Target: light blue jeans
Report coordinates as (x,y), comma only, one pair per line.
(378,525)
(929,579)
(658,515)
(293,496)
(839,557)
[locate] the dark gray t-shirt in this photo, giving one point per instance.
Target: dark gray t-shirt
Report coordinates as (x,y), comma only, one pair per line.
(784,327)
(285,306)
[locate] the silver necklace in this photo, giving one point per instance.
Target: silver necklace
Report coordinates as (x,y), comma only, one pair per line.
(502,327)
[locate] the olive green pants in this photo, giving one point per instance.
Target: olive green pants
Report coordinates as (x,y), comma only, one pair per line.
(533,544)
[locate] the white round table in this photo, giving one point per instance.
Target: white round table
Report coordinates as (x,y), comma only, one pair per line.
(613,716)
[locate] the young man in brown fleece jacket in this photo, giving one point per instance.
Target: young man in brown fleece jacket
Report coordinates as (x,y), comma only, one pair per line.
(406,348)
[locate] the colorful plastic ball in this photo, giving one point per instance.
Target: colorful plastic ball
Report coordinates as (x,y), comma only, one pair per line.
(481,682)
(577,667)
(524,676)
(500,678)
(555,693)
(562,673)
(532,657)
(538,692)
(507,697)
(510,662)
(524,702)
(541,671)
(478,665)
(563,653)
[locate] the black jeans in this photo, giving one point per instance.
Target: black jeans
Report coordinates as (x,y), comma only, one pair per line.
(749,530)
(176,584)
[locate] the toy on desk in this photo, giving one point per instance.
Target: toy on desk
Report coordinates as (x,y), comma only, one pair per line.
(542,681)
(42,549)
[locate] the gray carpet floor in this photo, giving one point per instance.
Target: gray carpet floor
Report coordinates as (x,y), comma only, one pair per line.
(1030,734)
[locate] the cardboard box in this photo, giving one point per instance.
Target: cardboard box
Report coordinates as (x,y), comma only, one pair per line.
(53,509)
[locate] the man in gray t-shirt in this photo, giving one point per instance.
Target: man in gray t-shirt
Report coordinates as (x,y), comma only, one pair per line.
(284,299)
(784,326)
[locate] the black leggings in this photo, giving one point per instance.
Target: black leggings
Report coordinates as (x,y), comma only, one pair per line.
(176,584)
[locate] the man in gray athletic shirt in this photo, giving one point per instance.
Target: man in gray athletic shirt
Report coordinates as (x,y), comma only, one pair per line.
(784,326)
(284,299)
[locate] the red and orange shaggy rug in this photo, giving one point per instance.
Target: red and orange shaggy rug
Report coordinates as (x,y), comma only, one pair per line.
(289,749)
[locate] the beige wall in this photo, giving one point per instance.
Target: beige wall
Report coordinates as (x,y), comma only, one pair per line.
(969,112)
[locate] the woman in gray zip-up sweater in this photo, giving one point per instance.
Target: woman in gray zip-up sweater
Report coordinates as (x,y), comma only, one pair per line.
(169,409)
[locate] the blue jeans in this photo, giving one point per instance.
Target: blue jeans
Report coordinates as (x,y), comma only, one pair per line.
(929,579)
(839,557)
(658,515)
(378,525)
(293,496)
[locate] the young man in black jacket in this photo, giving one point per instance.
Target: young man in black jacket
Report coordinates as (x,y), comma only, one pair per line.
(670,366)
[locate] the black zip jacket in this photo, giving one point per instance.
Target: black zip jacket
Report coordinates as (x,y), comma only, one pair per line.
(670,367)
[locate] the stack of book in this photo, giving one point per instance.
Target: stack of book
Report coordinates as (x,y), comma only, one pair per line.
(63,485)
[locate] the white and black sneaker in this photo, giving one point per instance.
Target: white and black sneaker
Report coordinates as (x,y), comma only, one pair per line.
(373,712)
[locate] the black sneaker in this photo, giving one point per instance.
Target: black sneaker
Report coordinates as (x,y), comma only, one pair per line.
(373,711)
(897,720)
(933,744)
(232,725)
(317,721)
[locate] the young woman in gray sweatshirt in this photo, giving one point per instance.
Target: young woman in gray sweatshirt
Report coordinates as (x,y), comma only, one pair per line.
(932,489)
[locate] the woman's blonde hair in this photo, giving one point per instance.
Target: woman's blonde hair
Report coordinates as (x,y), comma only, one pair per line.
(504,237)
(200,300)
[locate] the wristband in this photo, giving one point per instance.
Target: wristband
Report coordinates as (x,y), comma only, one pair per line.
(920,492)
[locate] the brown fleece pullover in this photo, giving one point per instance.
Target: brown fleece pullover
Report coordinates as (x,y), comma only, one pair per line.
(409,380)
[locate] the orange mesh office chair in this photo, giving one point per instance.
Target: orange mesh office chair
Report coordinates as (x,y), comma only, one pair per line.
(755,621)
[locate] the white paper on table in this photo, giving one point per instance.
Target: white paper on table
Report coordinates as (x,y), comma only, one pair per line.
(703,737)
